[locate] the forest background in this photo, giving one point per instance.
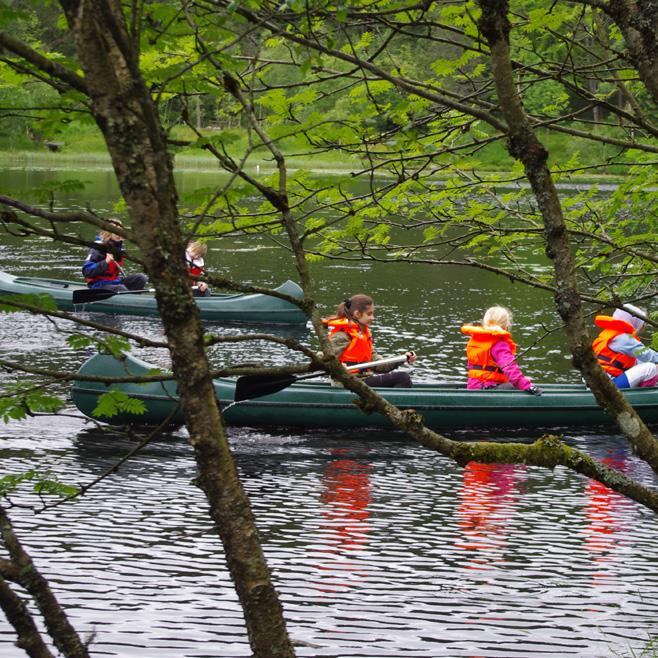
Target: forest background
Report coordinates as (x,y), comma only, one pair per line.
(26,128)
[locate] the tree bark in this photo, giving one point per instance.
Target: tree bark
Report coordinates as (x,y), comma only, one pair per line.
(638,22)
(524,145)
(29,638)
(25,573)
(128,119)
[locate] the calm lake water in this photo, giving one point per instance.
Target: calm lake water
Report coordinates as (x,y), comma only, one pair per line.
(379,548)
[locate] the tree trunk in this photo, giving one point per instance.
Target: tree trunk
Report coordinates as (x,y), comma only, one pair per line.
(128,119)
(24,572)
(638,22)
(29,638)
(524,145)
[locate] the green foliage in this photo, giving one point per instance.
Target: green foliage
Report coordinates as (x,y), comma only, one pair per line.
(40,301)
(417,122)
(44,483)
(31,109)
(21,400)
(11,15)
(80,341)
(117,346)
(546,98)
(115,402)
(50,189)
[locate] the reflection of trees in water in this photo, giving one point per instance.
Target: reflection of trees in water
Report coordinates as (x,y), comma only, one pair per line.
(346,496)
(487,497)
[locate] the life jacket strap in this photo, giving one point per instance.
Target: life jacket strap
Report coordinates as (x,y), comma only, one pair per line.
(487,368)
(611,361)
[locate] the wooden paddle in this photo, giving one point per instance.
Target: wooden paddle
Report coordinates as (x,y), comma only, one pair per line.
(255,386)
(99,294)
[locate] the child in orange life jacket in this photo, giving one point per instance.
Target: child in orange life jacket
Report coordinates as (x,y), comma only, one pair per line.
(351,341)
(490,354)
(194,259)
(102,266)
(619,351)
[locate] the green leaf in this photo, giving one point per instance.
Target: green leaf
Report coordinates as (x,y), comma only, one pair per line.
(41,301)
(21,399)
(44,483)
(80,341)
(117,346)
(114,402)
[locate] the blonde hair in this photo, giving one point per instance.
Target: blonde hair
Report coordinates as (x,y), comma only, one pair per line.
(107,235)
(198,248)
(497,316)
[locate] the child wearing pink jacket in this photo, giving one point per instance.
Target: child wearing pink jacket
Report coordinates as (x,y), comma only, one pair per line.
(491,354)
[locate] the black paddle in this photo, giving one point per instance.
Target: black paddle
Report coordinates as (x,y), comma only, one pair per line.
(88,295)
(255,386)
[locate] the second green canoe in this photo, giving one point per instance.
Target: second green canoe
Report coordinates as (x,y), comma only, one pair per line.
(218,307)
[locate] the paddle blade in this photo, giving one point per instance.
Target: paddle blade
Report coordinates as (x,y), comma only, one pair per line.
(91,295)
(255,386)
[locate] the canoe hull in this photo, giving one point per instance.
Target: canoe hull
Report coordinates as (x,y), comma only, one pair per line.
(318,405)
(261,309)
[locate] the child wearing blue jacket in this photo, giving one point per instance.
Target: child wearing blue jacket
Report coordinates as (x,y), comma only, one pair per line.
(102,267)
(621,353)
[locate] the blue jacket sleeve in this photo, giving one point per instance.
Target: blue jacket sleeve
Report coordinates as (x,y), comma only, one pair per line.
(95,264)
(91,269)
(627,344)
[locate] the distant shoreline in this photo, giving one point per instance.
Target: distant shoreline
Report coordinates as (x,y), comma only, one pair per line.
(72,161)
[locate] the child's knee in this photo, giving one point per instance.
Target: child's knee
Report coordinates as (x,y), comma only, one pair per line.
(404,380)
(641,373)
(652,376)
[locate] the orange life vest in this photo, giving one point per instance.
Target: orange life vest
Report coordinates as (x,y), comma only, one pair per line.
(614,363)
(359,349)
(481,365)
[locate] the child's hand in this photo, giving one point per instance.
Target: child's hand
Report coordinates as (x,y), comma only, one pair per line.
(109,257)
(411,357)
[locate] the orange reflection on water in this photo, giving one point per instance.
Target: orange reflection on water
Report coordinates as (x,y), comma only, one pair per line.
(346,496)
(487,496)
(602,526)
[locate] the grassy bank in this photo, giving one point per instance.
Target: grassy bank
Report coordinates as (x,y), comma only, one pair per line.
(84,148)
(75,161)
(66,159)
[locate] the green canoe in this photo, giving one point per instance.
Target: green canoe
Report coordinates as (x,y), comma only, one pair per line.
(263,309)
(316,404)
